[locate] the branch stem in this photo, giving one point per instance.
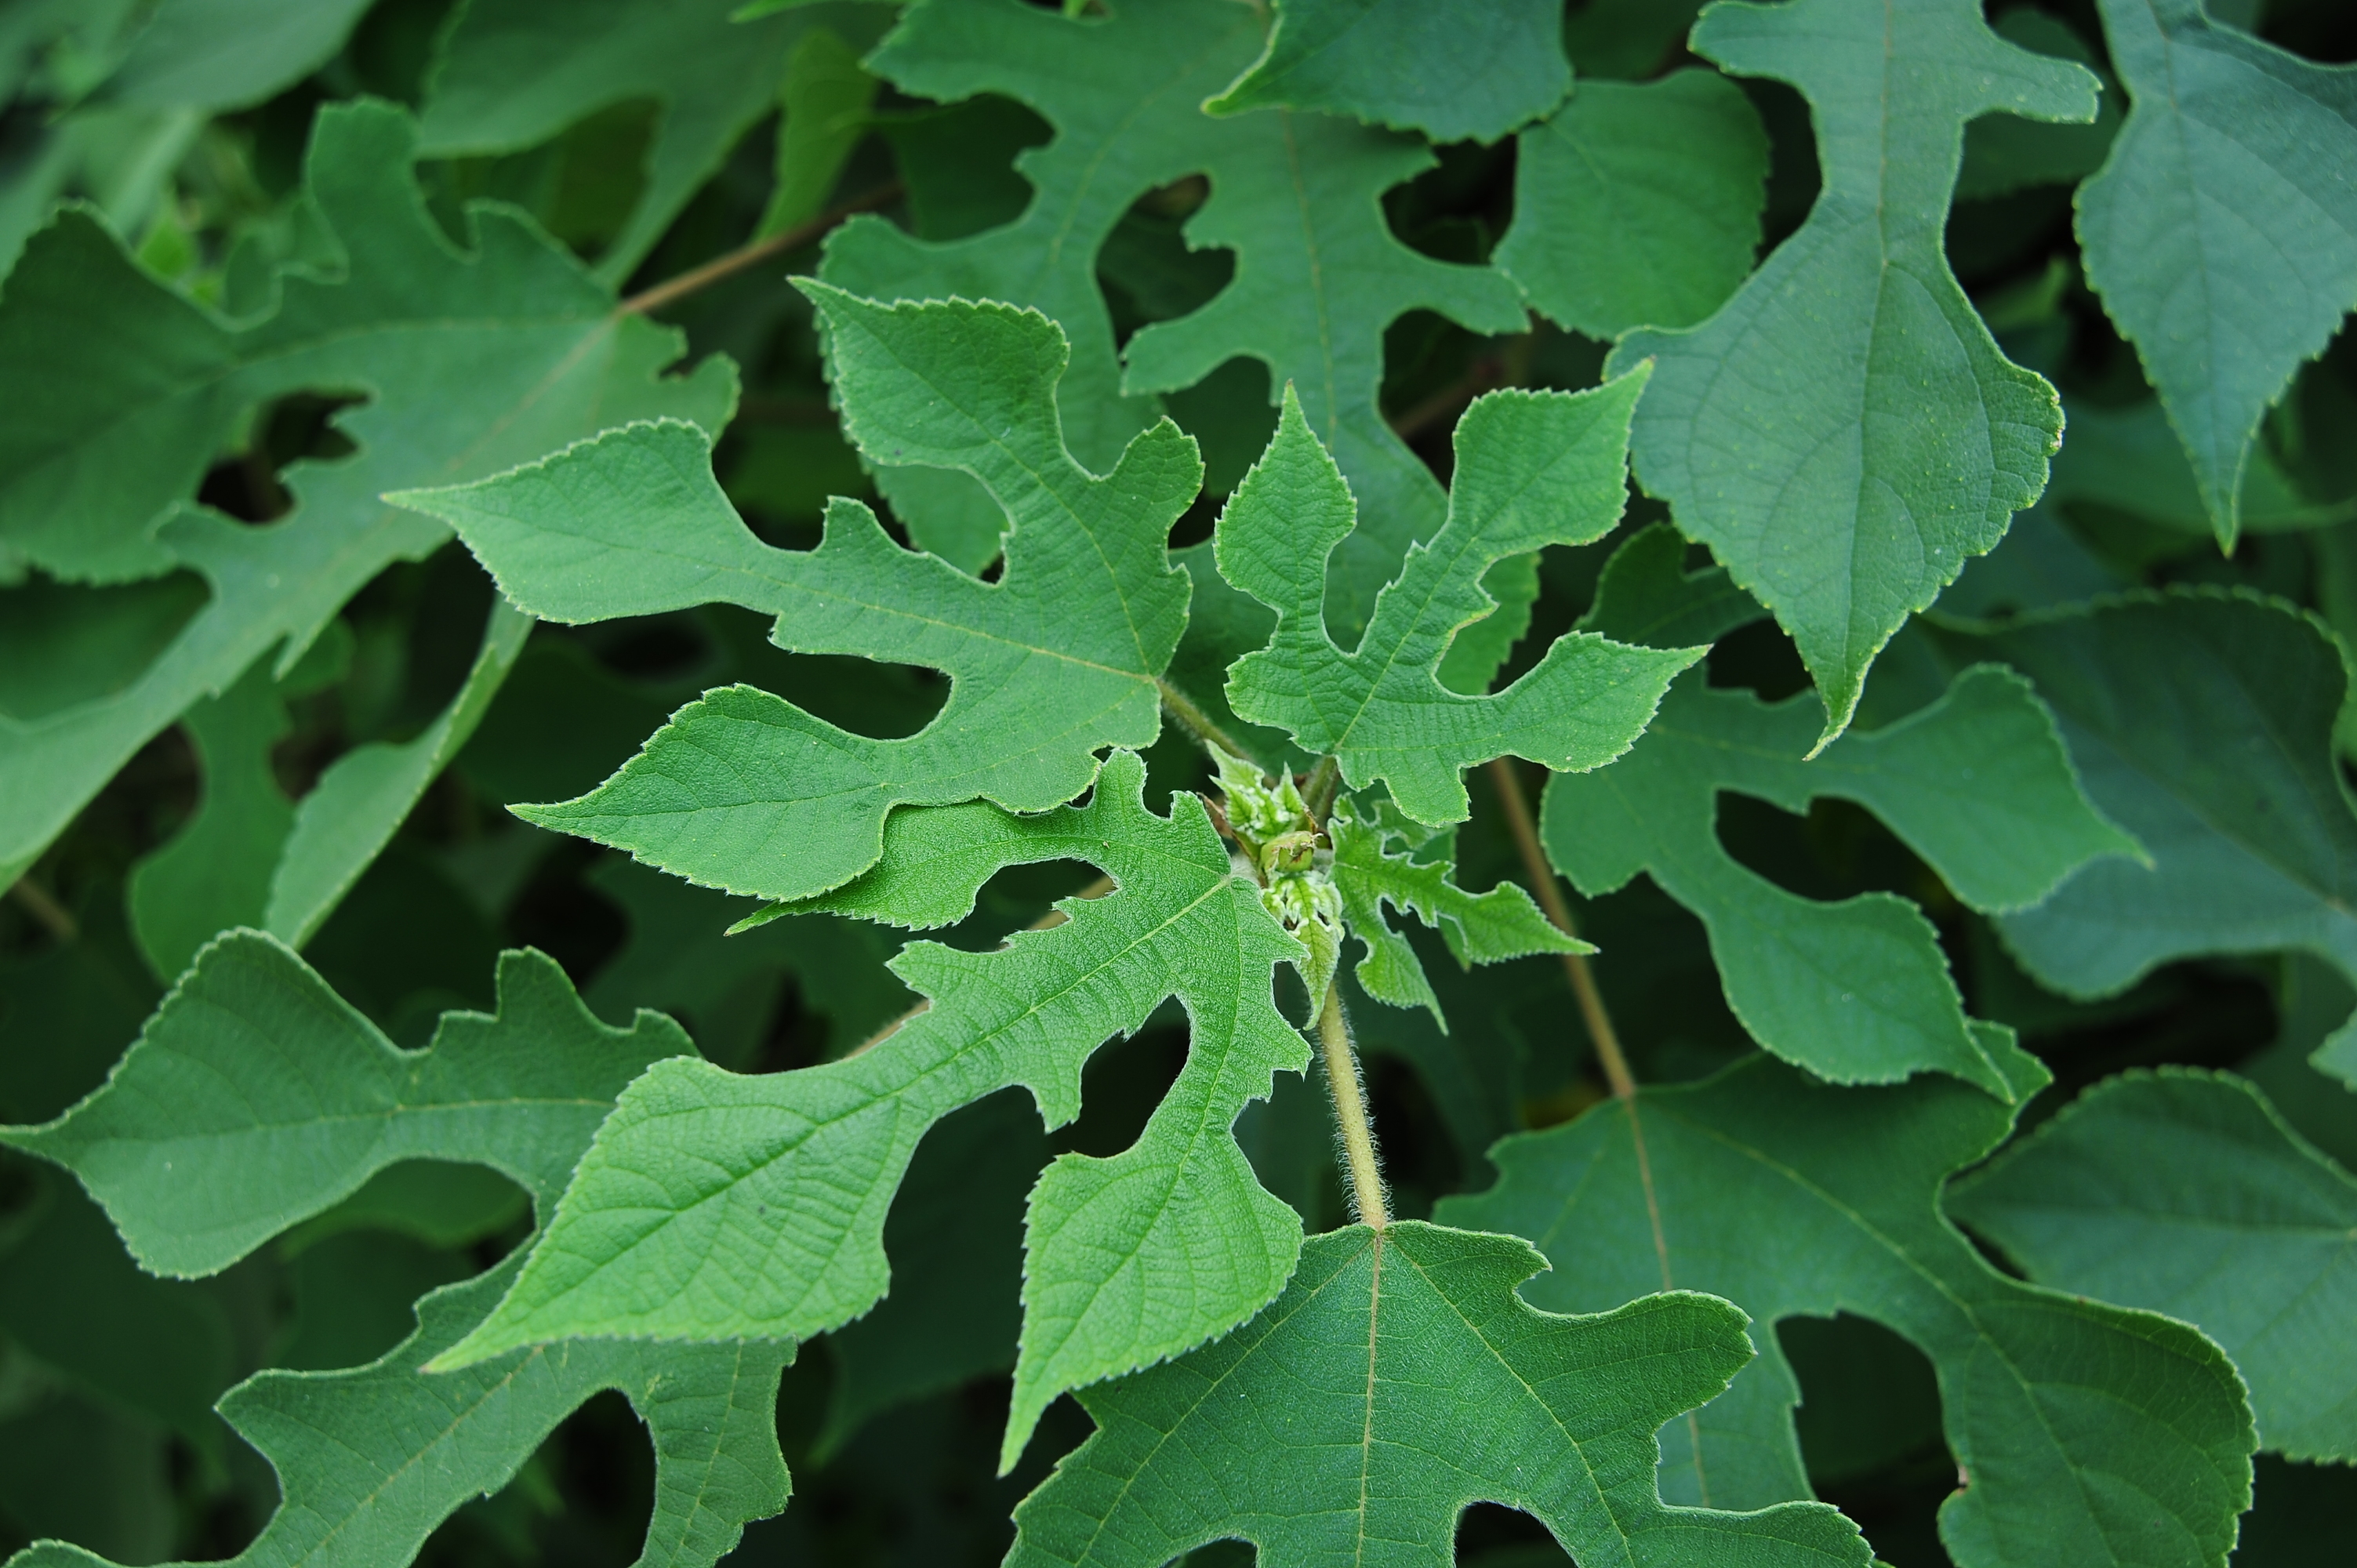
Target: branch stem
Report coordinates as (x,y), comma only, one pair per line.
(1196,722)
(1350,1096)
(42,908)
(1608,1053)
(757,250)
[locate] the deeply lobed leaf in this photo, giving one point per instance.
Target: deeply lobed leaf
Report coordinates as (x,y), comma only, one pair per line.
(1532,470)
(1060,658)
(2185,1193)
(1398,1380)
(1844,432)
(724,1208)
(256,1098)
(2083,1433)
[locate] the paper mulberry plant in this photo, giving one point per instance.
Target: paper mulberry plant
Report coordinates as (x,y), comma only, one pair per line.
(1314,781)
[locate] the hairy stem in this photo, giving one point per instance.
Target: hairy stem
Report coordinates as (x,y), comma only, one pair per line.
(1350,1096)
(1325,783)
(760,249)
(1543,882)
(1195,721)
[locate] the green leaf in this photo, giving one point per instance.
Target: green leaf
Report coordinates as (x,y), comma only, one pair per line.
(681,958)
(125,391)
(2083,1433)
(2201,721)
(1480,928)
(228,54)
(370,1461)
(954,1312)
(1638,203)
(1859,991)
(1318,274)
(1532,470)
(2185,1193)
(69,1296)
(513,73)
(1455,73)
(1645,596)
(824,106)
(1398,1380)
(718,1207)
(367,793)
(2130,459)
(215,871)
(2003,154)
(256,1096)
(743,791)
(1845,432)
(2223,231)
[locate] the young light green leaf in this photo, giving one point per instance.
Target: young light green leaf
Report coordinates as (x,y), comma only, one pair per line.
(2185,1193)
(1637,204)
(256,1096)
(1480,928)
(125,391)
(370,1460)
(744,791)
(1845,432)
(1532,470)
(1455,73)
(1319,277)
(513,73)
(717,1207)
(2083,1433)
(2223,231)
(1857,992)
(1397,1379)
(2201,723)
(366,794)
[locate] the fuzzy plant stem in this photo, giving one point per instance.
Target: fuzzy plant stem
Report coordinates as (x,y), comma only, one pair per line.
(1350,1095)
(1197,723)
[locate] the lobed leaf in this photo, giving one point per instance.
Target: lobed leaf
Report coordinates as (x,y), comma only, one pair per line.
(1532,470)
(513,73)
(1859,992)
(744,791)
(256,1098)
(2201,721)
(2186,1193)
(1637,204)
(1398,1380)
(1453,73)
(1319,276)
(1480,928)
(2222,232)
(126,390)
(1845,433)
(724,1208)
(2083,1433)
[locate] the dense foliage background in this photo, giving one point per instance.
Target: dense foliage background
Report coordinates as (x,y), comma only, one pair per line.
(234,150)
